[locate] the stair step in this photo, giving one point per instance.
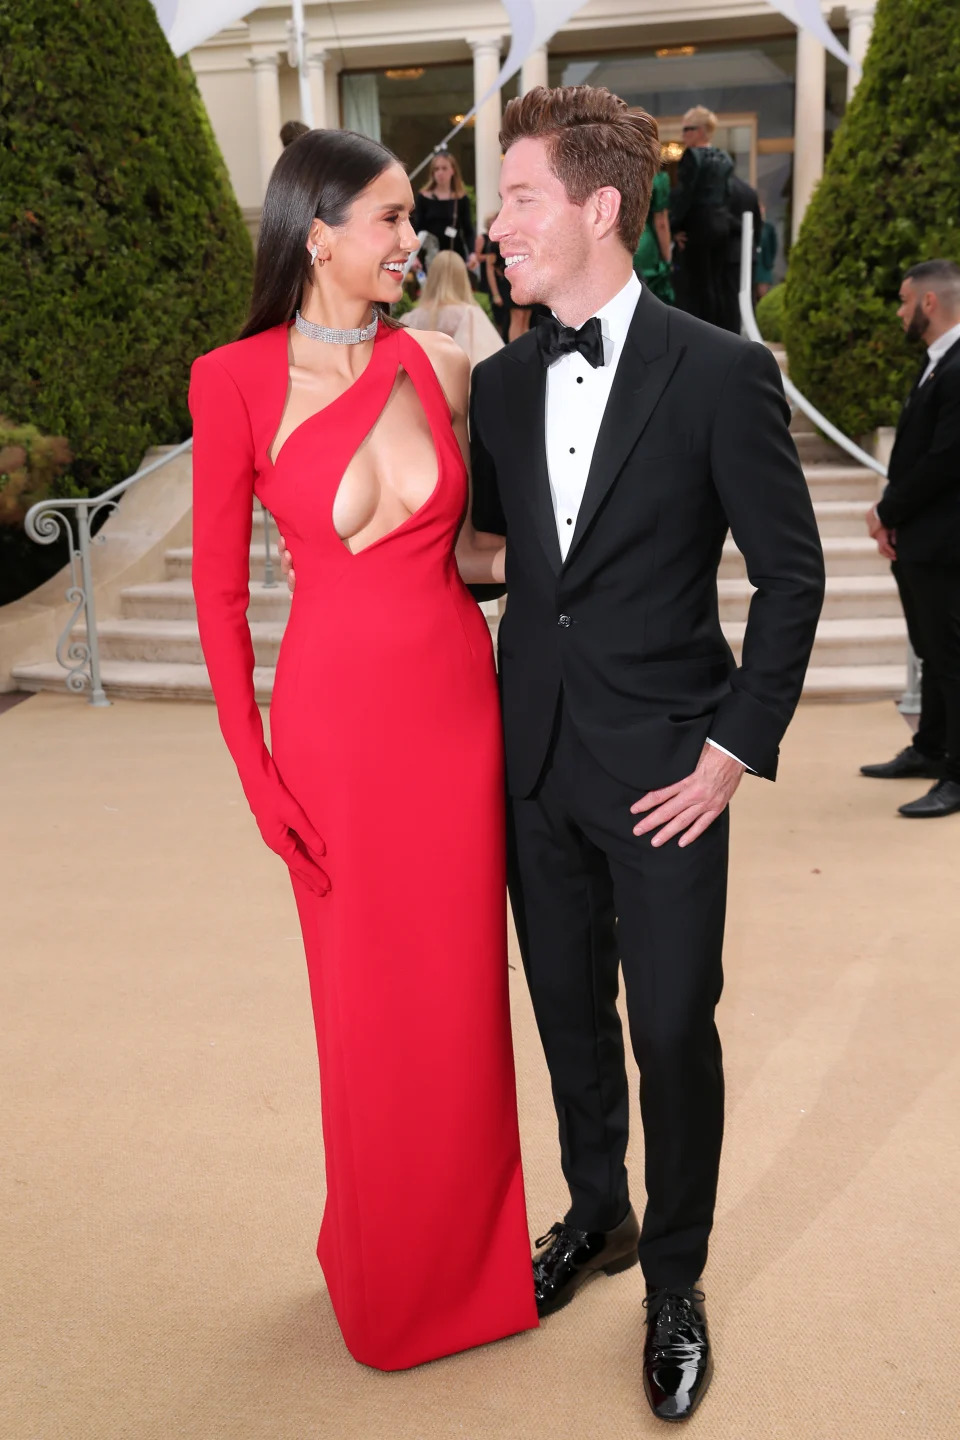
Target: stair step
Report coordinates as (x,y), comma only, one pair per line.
(843,555)
(839,642)
(845,642)
(178,562)
(152,640)
(173,600)
(837,519)
(813,448)
(840,517)
(855,682)
(842,482)
(152,650)
(163,680)
(139,680)
(848,597)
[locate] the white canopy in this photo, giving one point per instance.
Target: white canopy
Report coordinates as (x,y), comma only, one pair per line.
(187,23)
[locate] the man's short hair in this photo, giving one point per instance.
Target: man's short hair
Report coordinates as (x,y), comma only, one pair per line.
(703,118)
(940,276)
(593,139)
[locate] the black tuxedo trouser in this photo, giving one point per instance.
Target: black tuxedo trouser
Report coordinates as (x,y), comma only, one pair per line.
(931,605)
(588,897)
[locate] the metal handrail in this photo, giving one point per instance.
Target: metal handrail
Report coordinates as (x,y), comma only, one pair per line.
(46,521)
(909,703)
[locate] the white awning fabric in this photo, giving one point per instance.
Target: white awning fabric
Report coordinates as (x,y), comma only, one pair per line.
(187,23)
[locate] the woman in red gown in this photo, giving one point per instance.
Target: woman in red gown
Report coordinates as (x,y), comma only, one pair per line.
(385,740)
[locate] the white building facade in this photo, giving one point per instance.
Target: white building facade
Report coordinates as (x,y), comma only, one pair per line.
(404,71)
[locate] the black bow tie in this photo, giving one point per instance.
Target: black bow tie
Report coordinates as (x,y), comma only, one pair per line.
(555,340)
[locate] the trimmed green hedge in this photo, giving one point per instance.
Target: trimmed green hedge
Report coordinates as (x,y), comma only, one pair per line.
(123,253)
(769,314)
(889,197)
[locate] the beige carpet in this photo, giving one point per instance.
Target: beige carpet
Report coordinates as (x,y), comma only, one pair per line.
(161,1151)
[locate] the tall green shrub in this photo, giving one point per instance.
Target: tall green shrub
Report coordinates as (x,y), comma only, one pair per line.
(123,253)
(889,197)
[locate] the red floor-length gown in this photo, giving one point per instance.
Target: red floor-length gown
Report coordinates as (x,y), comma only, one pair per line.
(385,728)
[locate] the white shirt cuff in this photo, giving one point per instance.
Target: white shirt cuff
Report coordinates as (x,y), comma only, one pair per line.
(728,752)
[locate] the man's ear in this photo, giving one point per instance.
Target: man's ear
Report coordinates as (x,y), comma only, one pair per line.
(607,203)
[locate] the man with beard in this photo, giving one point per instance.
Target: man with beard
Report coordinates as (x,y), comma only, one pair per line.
(917,526)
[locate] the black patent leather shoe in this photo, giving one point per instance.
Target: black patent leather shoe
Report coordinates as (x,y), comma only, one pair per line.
(908,765)
(943,799)
(573,1256)
(677,1362)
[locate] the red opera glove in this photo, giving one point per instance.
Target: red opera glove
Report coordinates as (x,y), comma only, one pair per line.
(284,825)
(224,467)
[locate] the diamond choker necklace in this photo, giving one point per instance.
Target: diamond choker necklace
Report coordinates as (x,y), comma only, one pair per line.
(337,337)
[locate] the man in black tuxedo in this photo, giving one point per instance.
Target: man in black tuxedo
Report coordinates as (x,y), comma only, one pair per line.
(614,455)
(917,526)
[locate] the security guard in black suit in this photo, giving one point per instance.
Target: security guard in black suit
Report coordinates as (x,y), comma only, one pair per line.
(917,525)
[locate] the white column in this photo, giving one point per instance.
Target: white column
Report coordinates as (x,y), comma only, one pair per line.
(266,85)
(860,21)
(317,75)
(809,123)
(486,68)
(533,71)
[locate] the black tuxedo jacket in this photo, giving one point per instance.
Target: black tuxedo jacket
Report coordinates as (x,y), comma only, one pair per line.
(921,501)
(694,439)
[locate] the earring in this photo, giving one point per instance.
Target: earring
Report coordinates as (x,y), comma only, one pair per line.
(314,251)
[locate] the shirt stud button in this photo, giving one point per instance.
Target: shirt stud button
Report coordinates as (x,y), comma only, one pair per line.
(569,521)
(572,450)
(579,379)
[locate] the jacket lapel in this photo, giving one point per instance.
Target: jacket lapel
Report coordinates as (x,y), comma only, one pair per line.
(643,374)
(911,405)
(525,399)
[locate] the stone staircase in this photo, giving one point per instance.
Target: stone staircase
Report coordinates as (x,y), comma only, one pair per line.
(152,649)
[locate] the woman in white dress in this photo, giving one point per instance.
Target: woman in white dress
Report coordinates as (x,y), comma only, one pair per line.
(448,304)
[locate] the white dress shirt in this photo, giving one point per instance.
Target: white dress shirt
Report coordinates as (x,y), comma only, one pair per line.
(577,396)
(938,349)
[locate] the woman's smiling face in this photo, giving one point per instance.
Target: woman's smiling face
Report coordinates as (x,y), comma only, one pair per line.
(371,248)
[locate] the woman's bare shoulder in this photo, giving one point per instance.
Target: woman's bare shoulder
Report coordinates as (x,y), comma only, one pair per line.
(451,364)
(444,353)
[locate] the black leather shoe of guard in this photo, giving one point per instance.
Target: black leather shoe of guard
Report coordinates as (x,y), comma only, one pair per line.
(943,799)
(908,765)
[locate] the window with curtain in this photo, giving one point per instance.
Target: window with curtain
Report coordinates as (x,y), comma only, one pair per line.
(361,104)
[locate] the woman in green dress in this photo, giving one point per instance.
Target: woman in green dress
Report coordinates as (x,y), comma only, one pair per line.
(652,258)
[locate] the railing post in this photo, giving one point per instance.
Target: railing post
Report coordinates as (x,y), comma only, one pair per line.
(909,702)
(97,696)
(269,579)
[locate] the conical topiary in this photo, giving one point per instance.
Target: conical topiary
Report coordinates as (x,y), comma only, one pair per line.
(889,197)
(123,253)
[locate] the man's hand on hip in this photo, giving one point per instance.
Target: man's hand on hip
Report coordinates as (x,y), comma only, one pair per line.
(689,807)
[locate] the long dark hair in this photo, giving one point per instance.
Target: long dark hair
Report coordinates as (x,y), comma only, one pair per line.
(319,175)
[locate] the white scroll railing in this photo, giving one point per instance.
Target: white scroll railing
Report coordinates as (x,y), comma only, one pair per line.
(48,520)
